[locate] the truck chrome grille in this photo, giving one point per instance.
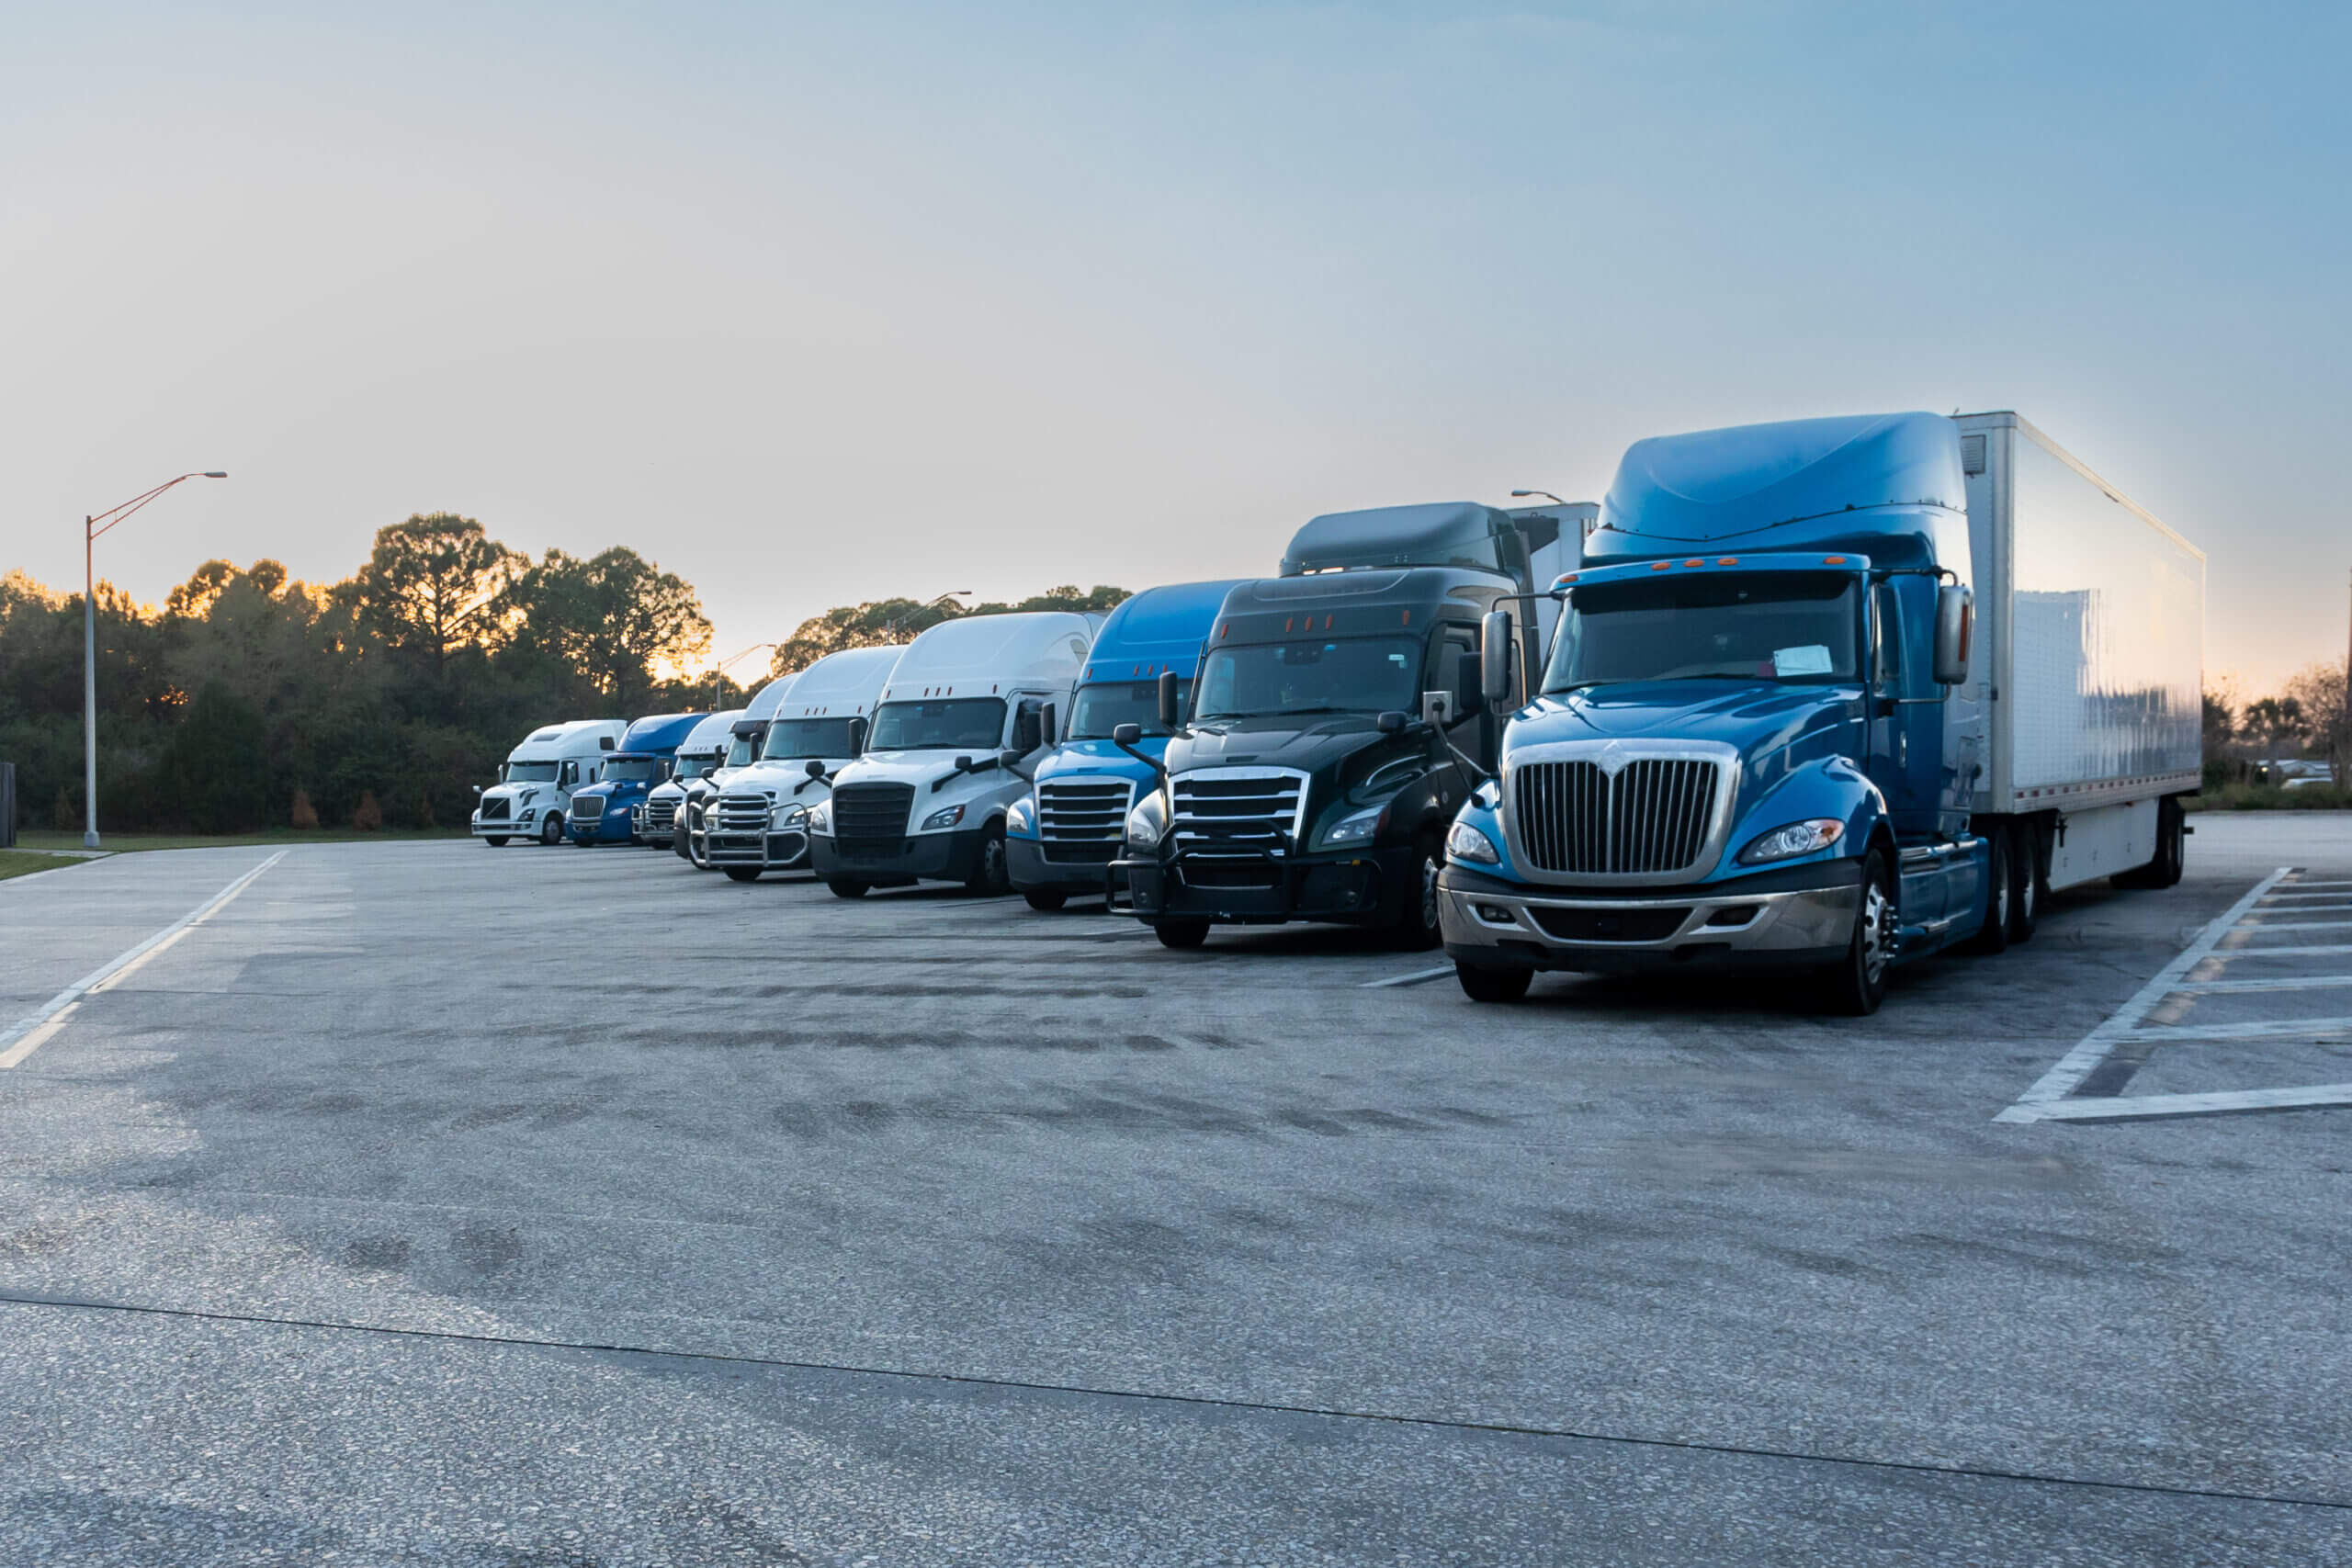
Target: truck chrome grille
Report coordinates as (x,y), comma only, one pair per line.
(661,816)
(1238,809)
(494,810)
(1082,823)
(588,810)
(1651,816)
(872,817)
(740,814)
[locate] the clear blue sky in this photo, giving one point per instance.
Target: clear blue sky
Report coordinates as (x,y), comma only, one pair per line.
(818,303)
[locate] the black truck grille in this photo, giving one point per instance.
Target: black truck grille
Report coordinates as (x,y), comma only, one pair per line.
(1082,823)
(1651,816)
(494,810)
(872,817)
(1610,925)
(1236,809)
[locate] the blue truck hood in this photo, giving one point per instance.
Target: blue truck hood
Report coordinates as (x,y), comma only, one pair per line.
(1755,720)
(1100,758)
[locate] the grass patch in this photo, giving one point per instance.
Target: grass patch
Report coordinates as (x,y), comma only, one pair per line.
(49,839)
(2271,797)
(19,862)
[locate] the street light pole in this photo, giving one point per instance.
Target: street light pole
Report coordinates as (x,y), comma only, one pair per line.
(90,532)
(718,672)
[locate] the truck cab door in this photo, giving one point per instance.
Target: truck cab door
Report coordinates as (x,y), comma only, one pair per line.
(1906,736)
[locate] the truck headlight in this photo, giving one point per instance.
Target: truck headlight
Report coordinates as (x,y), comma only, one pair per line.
(1465,843)
(945,817)
(820,817)
(1796,839)
(792,814)
(1021,817)
(1148,823)
(1357,828)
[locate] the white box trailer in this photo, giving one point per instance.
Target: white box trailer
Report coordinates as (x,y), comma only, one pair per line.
(2093,615)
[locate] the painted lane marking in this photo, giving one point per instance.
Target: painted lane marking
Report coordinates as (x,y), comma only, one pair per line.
(2292,892)
(2288,1029)
(1418,977)
(2280,983)
(2259,926)
(29,1033)
(2233,955)
(2077,1064)
(2144,1107)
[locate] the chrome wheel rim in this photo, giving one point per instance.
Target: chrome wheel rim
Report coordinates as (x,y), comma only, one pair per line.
(1875,909)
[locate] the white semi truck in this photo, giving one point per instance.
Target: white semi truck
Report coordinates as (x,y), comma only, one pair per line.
(535,783)
(746,736)
(760,821)
(699,754)
(967,705)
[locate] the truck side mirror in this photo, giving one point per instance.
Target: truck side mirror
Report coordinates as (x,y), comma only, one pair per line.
(1047,725)
(1392,721)
(816,768)
(1955,620)
(1494,657)
(1469,684)
(1126,734)
(1169,716)
(858,737)
(1028,729)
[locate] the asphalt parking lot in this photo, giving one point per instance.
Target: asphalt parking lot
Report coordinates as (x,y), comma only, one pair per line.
(421,1203)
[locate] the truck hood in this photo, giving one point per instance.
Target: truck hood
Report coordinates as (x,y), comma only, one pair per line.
(1100,759)
(1761,722)
(785,780)
(1310,745)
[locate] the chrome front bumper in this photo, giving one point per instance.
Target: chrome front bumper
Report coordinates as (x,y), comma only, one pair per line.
(1486,921)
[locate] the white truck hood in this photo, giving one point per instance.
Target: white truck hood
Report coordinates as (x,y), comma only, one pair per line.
(978,793)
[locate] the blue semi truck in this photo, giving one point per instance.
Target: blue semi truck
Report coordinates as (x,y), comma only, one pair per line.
(1829,695)
(1060,837)
(606,812)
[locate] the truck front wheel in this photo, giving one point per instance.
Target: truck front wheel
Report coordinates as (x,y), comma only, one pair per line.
(1044,899)
(1485,983)
(1416,930)
(848,887)
(495,841)
(742,873)
(551,829)
(1854,986)
(1180,933)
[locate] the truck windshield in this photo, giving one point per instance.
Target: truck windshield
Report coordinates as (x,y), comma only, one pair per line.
(1102,706)
(635,770)
(1375,675)
(795,739)
(694,767)
(527,772)
(972,724)
(1803,626)
(742,750)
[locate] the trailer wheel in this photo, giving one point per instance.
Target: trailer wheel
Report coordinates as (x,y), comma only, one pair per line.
(1181,934)
(1044,899)
(741,872)
(1855,985)
(551,829)
(2000,892)
(848,887)
(2172,832)
(2028,881)
(1486,983)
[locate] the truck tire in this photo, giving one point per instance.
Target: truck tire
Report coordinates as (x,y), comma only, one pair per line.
(1416,930)
(1855,985)
(495,841)
(848,887)
(1181,934)
(1488,983)
(551,829)
(2028,881)
(991,875)
(2001,891)
(679,845)
(1044,899)
(742,873)
(2164,868)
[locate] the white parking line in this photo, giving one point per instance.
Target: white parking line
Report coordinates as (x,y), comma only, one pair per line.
(2295,925)
(29,1033)
(2124,1022)
(2145,1106)
(1418,977)
(2277,983)
(2288,1029)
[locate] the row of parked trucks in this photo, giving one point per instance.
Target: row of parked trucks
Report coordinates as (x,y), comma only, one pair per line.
(1819,696)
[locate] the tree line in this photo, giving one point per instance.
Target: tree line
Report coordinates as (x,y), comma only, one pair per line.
(250,698)
(2309,719)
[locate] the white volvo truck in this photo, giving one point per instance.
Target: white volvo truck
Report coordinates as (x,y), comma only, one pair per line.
(760,821)
(535,783)
(967,709)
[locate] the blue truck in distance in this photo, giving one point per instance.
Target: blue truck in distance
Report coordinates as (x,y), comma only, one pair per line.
(1060,837)
(1828,695)
(606,812)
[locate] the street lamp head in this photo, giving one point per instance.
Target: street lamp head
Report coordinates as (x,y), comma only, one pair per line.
(216,473)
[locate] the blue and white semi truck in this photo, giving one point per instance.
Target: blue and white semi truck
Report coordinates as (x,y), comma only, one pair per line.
(760,821)
(1061,836)
(1830,696)
(606,812)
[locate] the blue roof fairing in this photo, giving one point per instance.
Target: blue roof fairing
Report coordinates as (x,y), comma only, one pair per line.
(1715,485)
(1159,628)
